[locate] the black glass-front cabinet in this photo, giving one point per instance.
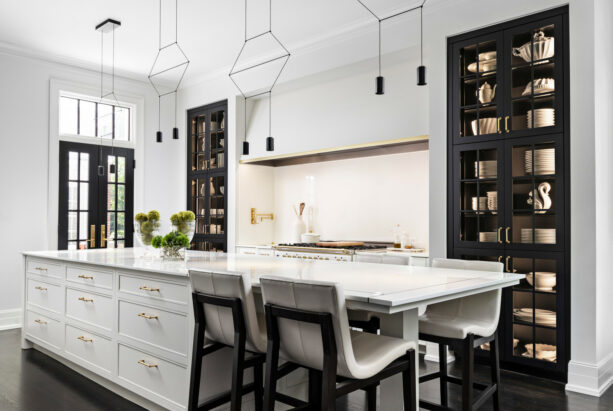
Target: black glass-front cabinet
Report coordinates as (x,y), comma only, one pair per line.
(508,188)
(207,159)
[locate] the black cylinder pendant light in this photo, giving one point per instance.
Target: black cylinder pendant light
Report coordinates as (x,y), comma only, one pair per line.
(421,70)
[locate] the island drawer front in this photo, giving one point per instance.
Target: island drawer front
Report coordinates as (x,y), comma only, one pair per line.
(90,308)
(160,377)
(44,295)
(160,328)
(154,290)
(95,278)
(47,330)
(45,268)
(91,348)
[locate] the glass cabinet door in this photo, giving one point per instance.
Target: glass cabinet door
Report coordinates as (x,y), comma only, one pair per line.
(216,147)
(535,200)
(536,309)
(534,81)
(477,112)
(478,175)
(216,221)
(198,147)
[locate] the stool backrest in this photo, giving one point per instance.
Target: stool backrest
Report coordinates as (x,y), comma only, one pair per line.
(219,321)
(480,307)
(300,341)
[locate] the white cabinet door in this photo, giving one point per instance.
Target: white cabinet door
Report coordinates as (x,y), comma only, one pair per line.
(91,349)
(90,308)
(45,329)
(45,295)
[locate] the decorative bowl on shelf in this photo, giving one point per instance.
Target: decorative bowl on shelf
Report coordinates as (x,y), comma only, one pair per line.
(543,48)
(487,125)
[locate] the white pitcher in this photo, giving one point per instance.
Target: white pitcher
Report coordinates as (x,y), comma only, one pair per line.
(486,93)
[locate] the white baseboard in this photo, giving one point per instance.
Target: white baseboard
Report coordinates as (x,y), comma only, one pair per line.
(590,379)
(10,319)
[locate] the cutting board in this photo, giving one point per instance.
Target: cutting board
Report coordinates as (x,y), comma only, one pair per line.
(340,244)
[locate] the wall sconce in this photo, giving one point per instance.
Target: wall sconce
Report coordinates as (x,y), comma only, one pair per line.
(262,217)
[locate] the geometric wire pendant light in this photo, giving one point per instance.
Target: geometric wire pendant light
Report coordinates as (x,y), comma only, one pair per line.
(282,57)
(421,70)
(160,66)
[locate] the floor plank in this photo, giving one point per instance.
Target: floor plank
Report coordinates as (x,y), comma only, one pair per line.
(32,381)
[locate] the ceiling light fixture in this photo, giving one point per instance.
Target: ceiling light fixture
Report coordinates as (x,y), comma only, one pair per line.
(177,63)
(284,57)
(421,70)
(108,25)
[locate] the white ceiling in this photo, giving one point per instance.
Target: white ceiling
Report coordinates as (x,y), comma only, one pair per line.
(211,32)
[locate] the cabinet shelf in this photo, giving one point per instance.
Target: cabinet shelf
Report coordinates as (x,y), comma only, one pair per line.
(531,290)
(535,63)
(536,325)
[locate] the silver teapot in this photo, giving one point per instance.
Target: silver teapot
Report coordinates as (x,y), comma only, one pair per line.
(486,93)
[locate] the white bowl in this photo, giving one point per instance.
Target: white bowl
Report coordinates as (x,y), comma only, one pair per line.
(309,237)
(544,280)
(487,125)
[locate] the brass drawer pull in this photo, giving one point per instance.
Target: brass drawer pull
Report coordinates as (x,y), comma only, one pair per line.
(40,321)
(506,124)
(86,277)
(38,287)
(506,235)
(506,263)
(499,235)
(145,288)
(86,300)
(147,364)
(148,316)
(82,338)
(41,268)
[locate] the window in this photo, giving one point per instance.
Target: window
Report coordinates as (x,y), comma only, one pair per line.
(94,119)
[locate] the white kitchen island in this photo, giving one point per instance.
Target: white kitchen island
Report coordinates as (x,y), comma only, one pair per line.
(127,323)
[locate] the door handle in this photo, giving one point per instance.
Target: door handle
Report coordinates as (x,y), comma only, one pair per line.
(499,235)
(506,124)
(103,236)
(499,258)
(92,236)
(506,263)
(506,235)
(499,130)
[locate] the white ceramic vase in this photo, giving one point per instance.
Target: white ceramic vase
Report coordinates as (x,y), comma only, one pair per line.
(298,229)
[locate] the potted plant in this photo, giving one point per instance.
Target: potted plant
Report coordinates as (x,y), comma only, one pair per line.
(172,244)
(184,222)
(146,228)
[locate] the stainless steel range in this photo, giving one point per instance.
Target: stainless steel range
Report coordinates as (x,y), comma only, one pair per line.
(312,251)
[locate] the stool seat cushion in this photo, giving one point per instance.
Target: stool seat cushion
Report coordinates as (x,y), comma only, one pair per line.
(360,315)
(374,352)
(454,327)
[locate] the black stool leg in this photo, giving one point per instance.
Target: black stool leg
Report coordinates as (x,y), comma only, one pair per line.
(238,369)
(196,372)
(467,373)
(315,389)
(258,381)
(371,397)
(495,368)
(409,384)
(442,358)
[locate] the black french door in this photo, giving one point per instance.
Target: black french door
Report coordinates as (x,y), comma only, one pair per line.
(96,197)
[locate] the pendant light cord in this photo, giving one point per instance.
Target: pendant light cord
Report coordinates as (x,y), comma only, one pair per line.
(379,47)
(270,113)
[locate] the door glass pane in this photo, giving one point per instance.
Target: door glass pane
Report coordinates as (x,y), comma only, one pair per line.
(479,196)
(105,121)
(121,244)
(73,165)
(84,169)
(121,225)
(532,82)
(83,196)
(72,245)
(478,89)
(68,115)
(110,226)
(83,225)
(121,169)
(72,225)
(73,190)
(121,197)
(87,118)
(111,197)
(111,161)
(534,186)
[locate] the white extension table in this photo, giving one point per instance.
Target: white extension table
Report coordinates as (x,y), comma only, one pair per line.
(110,314)
(394,291)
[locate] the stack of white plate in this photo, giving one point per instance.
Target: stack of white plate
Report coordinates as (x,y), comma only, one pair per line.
(481,202)
(544,161)
(492,200)
(543,352)
(545,280)
(541,316)
(488,236)
(541,235)
(543,117)
(486,168)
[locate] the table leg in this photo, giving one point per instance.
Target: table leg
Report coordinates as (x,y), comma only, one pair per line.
(401,325)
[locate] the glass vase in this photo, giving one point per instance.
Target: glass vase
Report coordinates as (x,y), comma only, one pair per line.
(187,228)
(145,231)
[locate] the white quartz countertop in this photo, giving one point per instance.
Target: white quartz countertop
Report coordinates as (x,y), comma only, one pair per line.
(381,284)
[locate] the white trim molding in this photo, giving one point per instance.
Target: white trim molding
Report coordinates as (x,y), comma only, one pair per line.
(10,319)
(590,379)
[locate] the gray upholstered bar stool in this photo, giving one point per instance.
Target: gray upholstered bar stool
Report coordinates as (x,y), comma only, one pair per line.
(307,325)
(470,322)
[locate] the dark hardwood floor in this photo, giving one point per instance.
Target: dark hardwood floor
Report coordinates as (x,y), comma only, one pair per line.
(31,381)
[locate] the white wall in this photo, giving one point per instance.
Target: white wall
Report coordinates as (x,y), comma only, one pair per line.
(357,199)
(24,147)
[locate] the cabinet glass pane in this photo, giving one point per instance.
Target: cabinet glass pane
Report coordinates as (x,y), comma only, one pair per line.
(217,204)
(479,185)
(534,186)
(478,87)
(533,79)
(217,140)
